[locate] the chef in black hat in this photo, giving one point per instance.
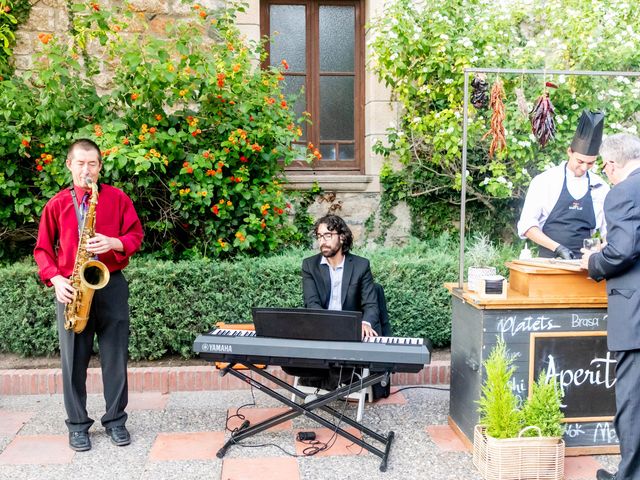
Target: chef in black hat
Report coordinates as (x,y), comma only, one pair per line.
(564,204)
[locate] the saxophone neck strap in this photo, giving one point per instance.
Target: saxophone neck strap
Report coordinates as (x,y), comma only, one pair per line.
(80,211)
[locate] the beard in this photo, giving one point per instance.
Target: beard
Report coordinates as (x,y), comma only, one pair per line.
(329,252)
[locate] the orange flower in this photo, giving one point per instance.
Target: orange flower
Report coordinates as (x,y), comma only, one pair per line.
(215,209)
(285,64)
(256,148)
(158,117)
(269,100)
(236,68)
(221,201)
(221,77)
(203,14)
(39,168)
(283,104)
(98,130)
(125,141)
(95,6)
(185,164)
(134,96)
(211,173)
(229,203)
(45,37)
(25,142)
(230,46)
(310,146)
(221,164)
(183,92)
(243,159)
(206,154)
(141,138)
(152,130)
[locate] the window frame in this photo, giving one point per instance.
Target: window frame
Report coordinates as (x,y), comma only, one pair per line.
(312,84)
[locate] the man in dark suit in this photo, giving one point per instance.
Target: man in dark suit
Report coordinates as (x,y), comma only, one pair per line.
(336,279)
(618,264)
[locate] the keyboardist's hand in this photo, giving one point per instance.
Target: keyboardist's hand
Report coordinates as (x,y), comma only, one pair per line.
(368,331)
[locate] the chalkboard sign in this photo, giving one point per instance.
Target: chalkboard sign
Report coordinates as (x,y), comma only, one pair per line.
(583,368)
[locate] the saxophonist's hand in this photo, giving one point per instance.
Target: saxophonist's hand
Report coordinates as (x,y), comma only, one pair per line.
(64,290)
(102,244)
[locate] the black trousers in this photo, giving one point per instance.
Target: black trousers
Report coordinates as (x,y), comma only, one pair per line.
(109,321)
(627,417)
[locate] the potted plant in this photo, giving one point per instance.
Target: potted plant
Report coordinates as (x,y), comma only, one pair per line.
(480,256)
(515,442)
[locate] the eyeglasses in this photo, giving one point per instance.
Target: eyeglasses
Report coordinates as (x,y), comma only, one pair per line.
(606,164)
(326,236)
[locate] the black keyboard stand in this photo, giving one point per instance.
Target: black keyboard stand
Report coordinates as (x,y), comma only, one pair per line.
(321,402)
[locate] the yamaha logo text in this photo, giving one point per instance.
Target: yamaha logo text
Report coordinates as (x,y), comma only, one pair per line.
(215,347)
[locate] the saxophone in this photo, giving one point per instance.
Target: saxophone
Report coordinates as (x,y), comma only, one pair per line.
(89,274)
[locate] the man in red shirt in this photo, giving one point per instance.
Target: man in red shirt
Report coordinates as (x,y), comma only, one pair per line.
(118,236)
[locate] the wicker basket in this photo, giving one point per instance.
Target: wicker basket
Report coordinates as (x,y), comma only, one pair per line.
(522,458)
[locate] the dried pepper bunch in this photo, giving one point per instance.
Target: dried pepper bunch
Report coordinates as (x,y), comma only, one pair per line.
(497,130)
(543,124)
(479,92)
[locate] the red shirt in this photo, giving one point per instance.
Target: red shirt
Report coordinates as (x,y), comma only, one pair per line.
(57,243)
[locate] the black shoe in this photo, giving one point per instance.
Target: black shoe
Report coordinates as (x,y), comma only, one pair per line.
(119,435)
(602,474)
(79,441)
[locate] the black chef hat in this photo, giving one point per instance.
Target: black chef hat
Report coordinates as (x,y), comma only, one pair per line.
(588,135)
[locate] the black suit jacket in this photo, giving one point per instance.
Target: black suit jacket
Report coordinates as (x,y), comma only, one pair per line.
(358,293)
(618,264)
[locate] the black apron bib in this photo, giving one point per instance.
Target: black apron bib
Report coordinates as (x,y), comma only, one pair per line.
(570,221)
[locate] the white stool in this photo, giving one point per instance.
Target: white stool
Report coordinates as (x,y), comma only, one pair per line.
(360,395)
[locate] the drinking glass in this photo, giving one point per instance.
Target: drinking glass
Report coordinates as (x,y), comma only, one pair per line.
(592,244)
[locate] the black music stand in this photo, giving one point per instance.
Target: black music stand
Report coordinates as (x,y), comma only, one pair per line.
(307,409)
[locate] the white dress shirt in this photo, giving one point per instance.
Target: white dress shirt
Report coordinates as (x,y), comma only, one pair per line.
(545,190)
(335,301)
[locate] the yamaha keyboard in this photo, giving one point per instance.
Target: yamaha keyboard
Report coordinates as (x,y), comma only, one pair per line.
(390,354)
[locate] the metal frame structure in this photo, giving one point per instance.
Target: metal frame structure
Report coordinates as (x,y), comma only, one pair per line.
(465,121)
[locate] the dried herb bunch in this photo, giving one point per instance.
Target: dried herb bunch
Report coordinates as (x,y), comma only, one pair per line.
(497,131)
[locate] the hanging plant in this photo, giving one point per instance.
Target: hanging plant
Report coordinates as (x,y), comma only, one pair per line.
(497,131)
(479,92)
(543,124)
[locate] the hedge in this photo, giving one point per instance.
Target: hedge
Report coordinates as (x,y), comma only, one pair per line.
(172,302)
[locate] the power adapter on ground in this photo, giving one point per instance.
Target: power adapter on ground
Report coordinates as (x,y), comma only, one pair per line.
(303,436)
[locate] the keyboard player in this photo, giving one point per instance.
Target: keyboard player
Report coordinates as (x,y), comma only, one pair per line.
(336,279)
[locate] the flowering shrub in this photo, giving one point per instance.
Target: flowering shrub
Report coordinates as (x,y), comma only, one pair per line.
(189,128)
(420,50)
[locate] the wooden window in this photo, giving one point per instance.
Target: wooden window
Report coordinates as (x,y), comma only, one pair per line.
(323,44)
